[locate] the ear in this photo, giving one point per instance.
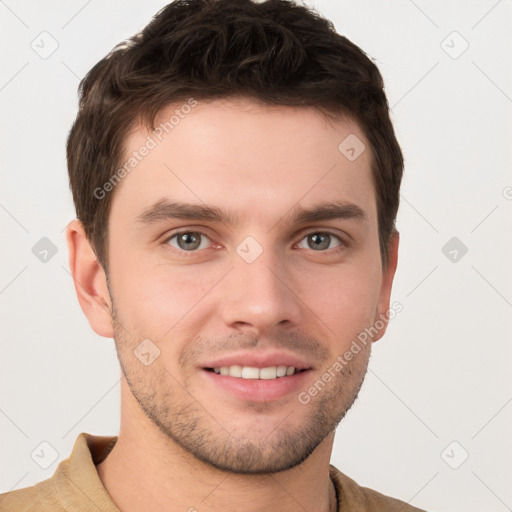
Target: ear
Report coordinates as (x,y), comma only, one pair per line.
(90,280)
(387,283)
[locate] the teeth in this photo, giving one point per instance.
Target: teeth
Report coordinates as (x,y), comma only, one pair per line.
(268,373)
(235,371)
(249,372)
(281,370)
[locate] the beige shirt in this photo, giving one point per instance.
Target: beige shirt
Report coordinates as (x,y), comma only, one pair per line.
(76,487)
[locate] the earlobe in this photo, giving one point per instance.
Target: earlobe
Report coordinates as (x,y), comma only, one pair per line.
(388,275)
(89,279)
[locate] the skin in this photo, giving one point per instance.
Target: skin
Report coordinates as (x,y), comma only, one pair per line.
(185,444)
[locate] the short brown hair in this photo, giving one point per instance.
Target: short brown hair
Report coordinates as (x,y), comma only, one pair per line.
(275,52)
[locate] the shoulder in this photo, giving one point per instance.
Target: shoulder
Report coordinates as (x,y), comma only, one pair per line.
(353,497)
(41,496)
(75,484)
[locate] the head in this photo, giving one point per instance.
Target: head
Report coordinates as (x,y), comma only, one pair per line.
(236,178)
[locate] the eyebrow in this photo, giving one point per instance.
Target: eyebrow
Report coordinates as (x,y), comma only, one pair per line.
(327,210)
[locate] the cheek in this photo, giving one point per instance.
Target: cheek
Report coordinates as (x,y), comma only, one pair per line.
(155,299)
(345,298)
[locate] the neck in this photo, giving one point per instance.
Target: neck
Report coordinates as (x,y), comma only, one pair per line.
(146,470)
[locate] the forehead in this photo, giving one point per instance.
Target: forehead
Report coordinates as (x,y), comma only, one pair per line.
(254,160)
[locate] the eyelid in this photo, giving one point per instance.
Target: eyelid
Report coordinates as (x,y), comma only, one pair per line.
(181,231)
(342,239)
(203,230)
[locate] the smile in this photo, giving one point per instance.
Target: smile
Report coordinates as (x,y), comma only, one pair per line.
(250,372)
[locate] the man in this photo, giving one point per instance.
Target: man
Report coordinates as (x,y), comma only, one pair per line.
(236,179)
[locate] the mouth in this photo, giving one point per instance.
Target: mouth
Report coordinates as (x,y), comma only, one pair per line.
(258,380)
(255,373)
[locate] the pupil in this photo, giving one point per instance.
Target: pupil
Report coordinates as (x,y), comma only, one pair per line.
(188,241)
(320,241)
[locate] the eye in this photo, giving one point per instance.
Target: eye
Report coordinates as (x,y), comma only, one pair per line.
(320,241)
(188,241)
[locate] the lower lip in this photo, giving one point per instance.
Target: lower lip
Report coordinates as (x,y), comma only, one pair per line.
(258,390)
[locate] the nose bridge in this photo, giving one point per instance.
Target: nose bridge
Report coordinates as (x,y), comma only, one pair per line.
(258,291)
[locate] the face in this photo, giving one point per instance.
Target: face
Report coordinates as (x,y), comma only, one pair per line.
(244,260)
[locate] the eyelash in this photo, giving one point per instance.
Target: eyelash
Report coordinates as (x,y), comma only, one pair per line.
(343,242)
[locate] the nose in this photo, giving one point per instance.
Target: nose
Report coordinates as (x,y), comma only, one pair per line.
(260,295)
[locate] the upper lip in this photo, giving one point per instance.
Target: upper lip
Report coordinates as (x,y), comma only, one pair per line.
(259,360)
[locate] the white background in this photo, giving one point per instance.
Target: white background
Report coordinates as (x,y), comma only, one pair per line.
(441,373)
